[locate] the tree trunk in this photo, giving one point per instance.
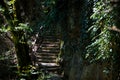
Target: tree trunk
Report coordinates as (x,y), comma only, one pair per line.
(22,50)
(23,12)
(24,60)
(21,46)
(73,29)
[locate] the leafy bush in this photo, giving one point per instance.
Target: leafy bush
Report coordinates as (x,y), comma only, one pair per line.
(101,48)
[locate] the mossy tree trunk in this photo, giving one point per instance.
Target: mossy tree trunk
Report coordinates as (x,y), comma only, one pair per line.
(23,14)
(22,50)
(17,36)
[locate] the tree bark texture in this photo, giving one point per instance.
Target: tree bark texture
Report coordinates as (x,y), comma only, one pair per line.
(23,11)
(22,50)
(73,35)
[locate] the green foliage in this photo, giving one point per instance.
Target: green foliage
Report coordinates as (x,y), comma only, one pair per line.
(11,23)
(1,9)
(45,24)
(17,30)
(27,72)
(43,76)
(23,26)
(101,47)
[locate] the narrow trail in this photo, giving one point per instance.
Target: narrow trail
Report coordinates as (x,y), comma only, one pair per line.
(47,56)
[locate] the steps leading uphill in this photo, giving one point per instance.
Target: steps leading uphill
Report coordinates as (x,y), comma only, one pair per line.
(48,53)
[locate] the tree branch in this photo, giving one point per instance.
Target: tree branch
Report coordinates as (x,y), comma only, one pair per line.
(114,28)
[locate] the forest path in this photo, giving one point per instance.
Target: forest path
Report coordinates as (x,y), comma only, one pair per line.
(47,55)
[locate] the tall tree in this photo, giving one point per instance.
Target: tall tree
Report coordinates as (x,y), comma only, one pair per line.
(74,27)
(18,29)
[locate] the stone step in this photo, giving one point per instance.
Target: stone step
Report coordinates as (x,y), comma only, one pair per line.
(47,61)
(49,45)
(46,58)
(50,51)
(49,64)
(47,54)
(52,40)
(52,69)
(48,42)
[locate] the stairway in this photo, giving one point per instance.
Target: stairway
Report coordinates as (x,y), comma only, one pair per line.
(46,57)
